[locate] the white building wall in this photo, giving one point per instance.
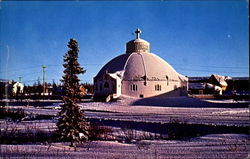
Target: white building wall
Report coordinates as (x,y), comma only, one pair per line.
(113,89)
(170,88)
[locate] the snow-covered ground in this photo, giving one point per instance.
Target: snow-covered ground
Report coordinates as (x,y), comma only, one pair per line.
(208,116)
(211,116)
(214,146)
(119,111)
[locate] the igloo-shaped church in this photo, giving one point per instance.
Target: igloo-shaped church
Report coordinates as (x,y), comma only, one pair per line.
(138,73)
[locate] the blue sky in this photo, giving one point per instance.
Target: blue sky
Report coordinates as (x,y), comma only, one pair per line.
(197,38)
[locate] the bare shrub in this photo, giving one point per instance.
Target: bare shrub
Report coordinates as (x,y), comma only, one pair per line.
(129,135)
(14,114)
(97,132)
(29,134)
(142,145)
(180,129)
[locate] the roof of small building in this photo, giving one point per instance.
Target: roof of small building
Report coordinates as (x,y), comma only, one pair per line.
(196,85)
(220,79)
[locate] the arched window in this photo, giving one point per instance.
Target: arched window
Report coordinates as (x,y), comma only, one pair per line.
(106,85)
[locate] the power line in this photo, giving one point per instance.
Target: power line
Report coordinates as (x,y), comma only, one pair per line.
(208,71)
(216,72)
(96,64)
(20,69)
(177,68)
(34,67)
(234,67)
(24,73)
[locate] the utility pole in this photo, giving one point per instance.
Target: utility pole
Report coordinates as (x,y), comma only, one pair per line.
(38,81)
(18,93)
(43,67)
(20,79)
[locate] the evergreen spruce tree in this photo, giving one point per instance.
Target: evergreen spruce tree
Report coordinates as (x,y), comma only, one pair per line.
(72,125)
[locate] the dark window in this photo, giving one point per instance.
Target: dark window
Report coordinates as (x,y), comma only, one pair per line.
(141,96)
(167,80)
(133,87)
(158,87)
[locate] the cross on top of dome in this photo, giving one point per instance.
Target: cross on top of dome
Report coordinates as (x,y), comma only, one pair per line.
(138,32)
(137,45)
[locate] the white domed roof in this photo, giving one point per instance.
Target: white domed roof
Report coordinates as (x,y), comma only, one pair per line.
(139,64)
(136,66)
(151,66)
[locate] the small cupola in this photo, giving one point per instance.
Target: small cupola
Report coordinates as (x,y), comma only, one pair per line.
(138,45)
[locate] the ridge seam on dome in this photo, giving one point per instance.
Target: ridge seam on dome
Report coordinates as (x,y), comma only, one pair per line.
(126,63)
(144,67)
